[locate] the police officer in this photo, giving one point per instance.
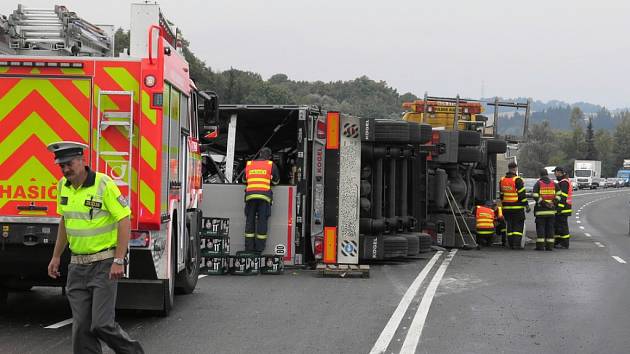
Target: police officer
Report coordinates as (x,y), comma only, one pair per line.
(95,223)
(545,195)
(260,174)
(514,203)
(563,209)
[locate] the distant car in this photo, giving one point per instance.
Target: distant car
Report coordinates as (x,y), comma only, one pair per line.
(619,183)
(529,185)
(602,183)
(574,185)
(610,182)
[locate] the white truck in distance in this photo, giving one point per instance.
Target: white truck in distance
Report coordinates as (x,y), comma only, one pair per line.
(587,173)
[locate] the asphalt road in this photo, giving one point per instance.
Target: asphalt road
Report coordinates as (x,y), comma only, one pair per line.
(489,301)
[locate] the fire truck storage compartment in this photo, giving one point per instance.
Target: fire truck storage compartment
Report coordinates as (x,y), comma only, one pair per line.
(241,131)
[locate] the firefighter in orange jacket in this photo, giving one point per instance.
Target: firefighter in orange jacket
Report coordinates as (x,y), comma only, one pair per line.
(545,195)
(563,209)
(485,224)
(260,174)
(514,203)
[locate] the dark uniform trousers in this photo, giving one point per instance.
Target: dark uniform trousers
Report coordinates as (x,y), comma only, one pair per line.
(562,230)
(545,232)
(257,213)
(515,220)
(92,298)
(501,230)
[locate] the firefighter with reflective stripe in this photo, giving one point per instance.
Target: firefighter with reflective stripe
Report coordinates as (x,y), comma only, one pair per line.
(485,219)
(514,203)
(563,209)
(95,223)
(545,195)
(260,174)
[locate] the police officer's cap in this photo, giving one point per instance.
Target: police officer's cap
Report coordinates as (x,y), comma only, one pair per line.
(66,150)
(512,165)
(558,169)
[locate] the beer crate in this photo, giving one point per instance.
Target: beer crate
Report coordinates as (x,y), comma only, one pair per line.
(244,263)
(271,264)
(216,265)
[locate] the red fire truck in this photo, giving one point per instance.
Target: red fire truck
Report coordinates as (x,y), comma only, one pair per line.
(140,115)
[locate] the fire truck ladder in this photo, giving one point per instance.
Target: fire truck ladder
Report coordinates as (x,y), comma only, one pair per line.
(56,31)
(108,119)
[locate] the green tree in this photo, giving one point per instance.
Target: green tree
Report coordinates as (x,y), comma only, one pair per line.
(591,151)
(538,151)
(121,41)
(604,143)
(622,140)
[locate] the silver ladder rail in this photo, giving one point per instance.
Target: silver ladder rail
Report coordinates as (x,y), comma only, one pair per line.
(117,119)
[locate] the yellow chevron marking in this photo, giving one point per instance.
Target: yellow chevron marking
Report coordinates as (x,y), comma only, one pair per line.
(73,71)
(149,112)
(32,125)
(35,71)
(147,197)
(124,79)
(148,152)
(4,69)
(55,99)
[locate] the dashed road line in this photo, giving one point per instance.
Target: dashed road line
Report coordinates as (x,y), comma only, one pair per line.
(202,276)
(599,244)
(59,324)
(619,259)
(587,234)
(579,222)
(582,227)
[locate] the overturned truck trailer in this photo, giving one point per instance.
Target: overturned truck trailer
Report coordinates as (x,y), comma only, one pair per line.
(351,189)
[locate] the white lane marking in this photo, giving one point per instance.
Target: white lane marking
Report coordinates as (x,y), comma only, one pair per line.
(599,244)
(202,276)
(415,330)
(582,227)
(390,328)
(60,324)
(579,222)
(619,259)
(587,234)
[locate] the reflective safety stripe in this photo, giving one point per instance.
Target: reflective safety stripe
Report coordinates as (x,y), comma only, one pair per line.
(508,207)
(485,232)
(566,211)
(550,240)
(563,194)
(258,186)
(540,240)
(521,190)
(485,225)
(250,235)
(257,196)
(81,215)
(524,200)
(517,233)
(545,212)
(261,237)
(91,232)
(563,236)
(535,195)
(263,180)
(561,205)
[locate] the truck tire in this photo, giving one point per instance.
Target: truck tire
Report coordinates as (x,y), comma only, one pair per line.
(391,131)
(413,244)
(496,146)
(469,138)
(395,246)
(426,241)
(420,133)
(186,280)
(470,154)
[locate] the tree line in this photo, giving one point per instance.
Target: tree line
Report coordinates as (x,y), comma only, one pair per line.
(547,146)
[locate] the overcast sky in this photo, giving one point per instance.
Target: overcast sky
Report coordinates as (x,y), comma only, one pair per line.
(545,49)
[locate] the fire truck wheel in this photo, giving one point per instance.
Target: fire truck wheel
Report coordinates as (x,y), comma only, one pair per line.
(469,138)
(187,278)
(496,146)
(169,284)
(413,244)
(420,133)
(470,154)
(393,131)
